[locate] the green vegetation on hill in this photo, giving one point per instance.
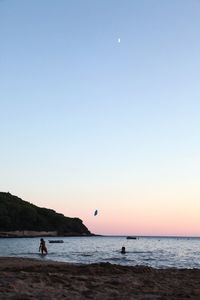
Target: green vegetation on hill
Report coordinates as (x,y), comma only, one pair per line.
(17,214)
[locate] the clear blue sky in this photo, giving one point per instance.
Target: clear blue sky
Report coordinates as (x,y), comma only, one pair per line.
(88,122)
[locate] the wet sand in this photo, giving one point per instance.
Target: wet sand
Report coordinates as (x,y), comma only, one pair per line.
(22,278)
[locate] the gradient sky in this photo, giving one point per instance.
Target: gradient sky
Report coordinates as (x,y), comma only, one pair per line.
(90,123)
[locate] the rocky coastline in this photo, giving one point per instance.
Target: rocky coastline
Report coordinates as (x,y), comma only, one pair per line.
(31,234)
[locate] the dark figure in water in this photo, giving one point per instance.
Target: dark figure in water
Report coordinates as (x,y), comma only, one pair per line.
(123,251)
(42,247)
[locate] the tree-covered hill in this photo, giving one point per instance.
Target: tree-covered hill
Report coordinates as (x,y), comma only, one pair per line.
(17,214)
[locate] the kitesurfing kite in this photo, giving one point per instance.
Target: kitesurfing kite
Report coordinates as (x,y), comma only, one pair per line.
(96,212)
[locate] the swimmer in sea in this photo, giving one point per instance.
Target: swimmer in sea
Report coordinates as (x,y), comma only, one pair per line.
(123,251)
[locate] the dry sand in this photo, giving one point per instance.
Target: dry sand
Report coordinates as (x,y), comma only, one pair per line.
(22,278)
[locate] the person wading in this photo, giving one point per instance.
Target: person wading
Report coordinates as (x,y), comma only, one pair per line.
(43,247)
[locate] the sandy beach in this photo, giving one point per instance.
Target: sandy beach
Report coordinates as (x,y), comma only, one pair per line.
(22,278)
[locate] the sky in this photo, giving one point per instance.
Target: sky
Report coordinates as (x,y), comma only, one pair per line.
(100,105)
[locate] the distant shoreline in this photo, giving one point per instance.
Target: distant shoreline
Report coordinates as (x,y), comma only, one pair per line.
(31,234)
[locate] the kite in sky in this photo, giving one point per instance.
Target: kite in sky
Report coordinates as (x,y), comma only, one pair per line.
(96,212)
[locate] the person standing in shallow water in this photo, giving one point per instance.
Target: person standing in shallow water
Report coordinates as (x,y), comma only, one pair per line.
(43,247)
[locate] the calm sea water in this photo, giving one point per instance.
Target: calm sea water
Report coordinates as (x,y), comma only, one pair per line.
(148,251)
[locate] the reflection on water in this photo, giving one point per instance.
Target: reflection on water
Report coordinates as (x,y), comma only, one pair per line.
(155,252)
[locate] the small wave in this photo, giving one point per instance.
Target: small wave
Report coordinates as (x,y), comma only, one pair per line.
(119,260)
(115,258)
(149,259)
(112,258)
(23,253)
(140,252)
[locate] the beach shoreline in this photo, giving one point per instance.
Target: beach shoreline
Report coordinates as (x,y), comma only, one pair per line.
(25,278)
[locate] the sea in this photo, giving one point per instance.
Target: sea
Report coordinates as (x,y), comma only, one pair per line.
(157,252)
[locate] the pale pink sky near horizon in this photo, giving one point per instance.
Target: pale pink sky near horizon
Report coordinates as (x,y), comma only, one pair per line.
(142,213)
